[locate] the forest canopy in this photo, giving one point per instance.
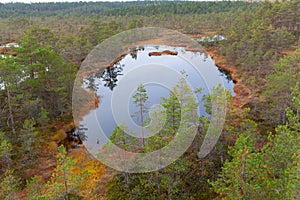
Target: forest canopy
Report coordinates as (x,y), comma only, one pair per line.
(43,45)
(120,8)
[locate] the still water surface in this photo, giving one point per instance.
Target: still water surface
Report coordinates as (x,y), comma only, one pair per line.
(155,72)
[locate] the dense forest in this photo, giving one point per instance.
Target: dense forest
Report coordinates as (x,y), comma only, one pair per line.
(148,8)
(42,46)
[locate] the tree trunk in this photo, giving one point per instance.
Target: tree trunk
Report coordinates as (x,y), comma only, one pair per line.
(66,186)
(127,179)
(158,182)
(10,112)
(142,121)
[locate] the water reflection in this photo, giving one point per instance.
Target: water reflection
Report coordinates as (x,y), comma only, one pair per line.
(110,75)
(92,81)
(97,126)
(226,74)
(134,52)
(80,132)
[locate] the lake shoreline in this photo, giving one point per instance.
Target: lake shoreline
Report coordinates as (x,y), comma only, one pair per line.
(242,92)
(240,99)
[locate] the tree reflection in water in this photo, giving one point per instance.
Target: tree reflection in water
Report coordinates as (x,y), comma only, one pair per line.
(80,133)
(110,75)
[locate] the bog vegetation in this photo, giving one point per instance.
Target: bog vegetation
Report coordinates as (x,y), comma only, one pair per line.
(257,155)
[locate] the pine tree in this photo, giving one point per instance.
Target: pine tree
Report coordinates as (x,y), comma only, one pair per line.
(35,186)
(49,78)
(173,111)
(269,173)
(5,152)
(63,182)
(9,185)
(10,77)
(140,99)
(286,74)
(29,138)
(236,176)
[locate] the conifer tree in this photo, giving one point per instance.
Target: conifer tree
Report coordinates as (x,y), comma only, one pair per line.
(140,99)
(64,182)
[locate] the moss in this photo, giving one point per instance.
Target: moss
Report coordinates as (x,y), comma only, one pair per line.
(59,136)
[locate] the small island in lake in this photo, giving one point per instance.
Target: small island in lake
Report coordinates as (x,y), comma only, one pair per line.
(166,52)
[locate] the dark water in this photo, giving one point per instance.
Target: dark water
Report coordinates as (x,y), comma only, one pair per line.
(156,71)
